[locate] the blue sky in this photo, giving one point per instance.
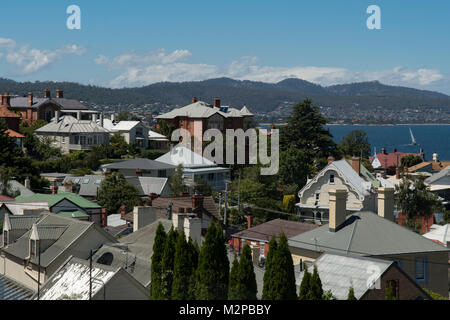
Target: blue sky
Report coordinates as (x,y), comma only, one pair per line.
(134,43)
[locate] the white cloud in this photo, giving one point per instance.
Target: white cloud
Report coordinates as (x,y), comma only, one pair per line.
(157,66)
(29,60)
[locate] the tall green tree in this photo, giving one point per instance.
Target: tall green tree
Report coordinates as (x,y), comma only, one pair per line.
(233,282)
(316,291)
(268,278)
(416,200)
(176,182)
(115,191)
(351,294)
(194,252)
(410,161)
(305,141)
(390,295)
(183,267)
(355,143)
(305,286)
(156,268)
(246,285)
(120,146)
(282,282)
(167,264)
(213,266)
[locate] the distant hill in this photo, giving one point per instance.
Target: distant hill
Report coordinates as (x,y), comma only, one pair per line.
(258,96)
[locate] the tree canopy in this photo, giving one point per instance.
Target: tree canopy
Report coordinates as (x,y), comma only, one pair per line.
(356,144)
(115,191)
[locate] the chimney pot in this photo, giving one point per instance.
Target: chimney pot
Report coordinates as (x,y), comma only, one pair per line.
(123,210)
(197,201)
(6,99)
(55,187)
(330,159)
(59,93)
(337,208)
(386,203)
(194,100)
(47,94)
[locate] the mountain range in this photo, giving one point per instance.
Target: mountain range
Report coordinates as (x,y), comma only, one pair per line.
(258,96)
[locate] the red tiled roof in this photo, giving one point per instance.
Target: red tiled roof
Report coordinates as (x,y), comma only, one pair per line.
(5,198)
(265,231)
(6,113)
(14,134)
(393,159)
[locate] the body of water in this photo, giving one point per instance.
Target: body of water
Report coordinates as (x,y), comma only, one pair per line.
(430,138)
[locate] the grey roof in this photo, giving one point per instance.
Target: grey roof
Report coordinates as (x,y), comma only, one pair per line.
(17,186)
(201,109)
(134,252)
(69,104)
(74,229)
(147,185)
(437,176)
(366,234)
(69,124)
(139,163)
(50,232)
(339,272)
(23,222)
(88,184)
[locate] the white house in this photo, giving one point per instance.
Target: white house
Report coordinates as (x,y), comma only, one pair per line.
(132,131)
(194,165)
(354,177)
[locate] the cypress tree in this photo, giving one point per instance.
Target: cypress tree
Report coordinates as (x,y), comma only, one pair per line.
(183,267)
(305,286)
(213,266)
(233,282)
(168,265)
(283,273)
(193,256)
(158,252)
(247,281)
(390,293)
(316,291)
(351,294)
(269,266)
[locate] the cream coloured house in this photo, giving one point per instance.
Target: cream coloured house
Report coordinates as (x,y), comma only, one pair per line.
(350,175)
(54,236)
(131,131)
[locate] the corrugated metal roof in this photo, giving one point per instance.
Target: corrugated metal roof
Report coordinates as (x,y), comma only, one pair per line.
(366,234)
(10,290)
(186,157)
(69,104)
(69,124)
(437,176)
(23,222)
(53,199)
(338,273)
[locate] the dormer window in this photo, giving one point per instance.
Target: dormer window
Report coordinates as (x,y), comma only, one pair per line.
(331,178)
(32,248)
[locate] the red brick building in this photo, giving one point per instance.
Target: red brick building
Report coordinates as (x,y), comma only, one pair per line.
(200,116)
(425,222)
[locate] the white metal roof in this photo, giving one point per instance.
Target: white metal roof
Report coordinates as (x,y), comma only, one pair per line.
(441,234)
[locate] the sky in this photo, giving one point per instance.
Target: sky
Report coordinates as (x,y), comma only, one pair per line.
(135,42)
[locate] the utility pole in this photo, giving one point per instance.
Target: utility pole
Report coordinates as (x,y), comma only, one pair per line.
(39,269)
(220,202)
(90,276)
(239,191)
(226,205)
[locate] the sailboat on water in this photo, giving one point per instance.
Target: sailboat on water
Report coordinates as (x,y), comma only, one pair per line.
(413,140)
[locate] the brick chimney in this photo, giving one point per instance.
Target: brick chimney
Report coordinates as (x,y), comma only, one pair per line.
(6,99)
(54,187)
(330,159)
(47,94)
(397,173)
(216,102)
(194,100)
(59,93)
(395,150)
(123,210)
(249,221)
(30,99)
(197,201)
(104,217)
(386,203)
(356,165)
(337,208)
(108,172)
(152,197)
(138,173)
